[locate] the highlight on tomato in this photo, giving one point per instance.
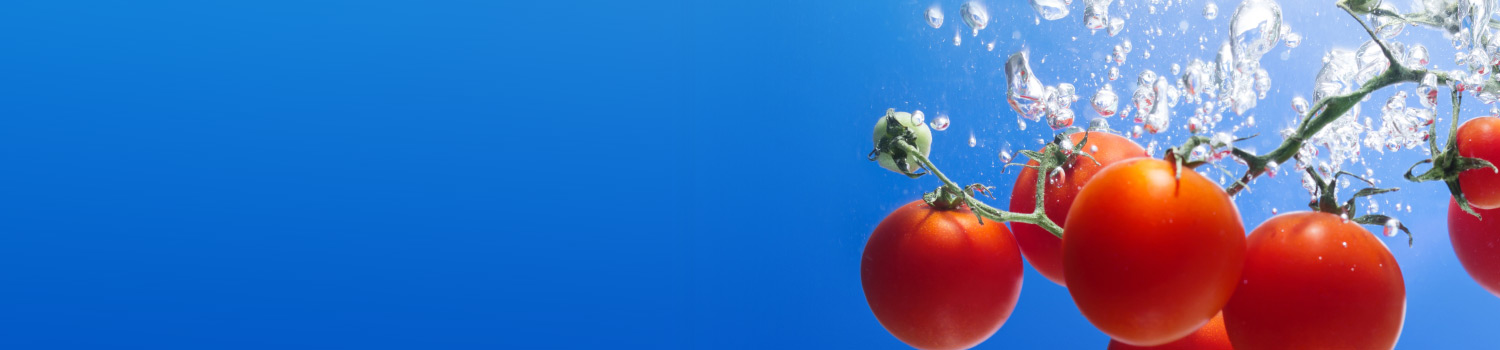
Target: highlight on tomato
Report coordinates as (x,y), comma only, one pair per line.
(1480,138)
(937,279)
(1150,257)
(1042,249)
(1316,280)
(1476,242)
(1210,337)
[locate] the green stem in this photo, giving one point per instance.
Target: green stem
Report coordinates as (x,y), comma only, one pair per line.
(1329,109)
(1038,217)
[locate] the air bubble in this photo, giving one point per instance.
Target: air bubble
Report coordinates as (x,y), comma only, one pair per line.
(940,123)
(935,16)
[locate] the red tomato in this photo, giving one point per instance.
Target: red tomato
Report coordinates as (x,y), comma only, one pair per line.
(937,279)
(1480,138)
(1316,281)
(1040,247)
(1477,244)
(1149,258)
(1210,337)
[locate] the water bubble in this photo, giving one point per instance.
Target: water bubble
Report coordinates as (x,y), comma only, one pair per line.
(1262,82)
(1210,11)
(1060,118)
(1137,131)
(1271,168)
(972,141)
(1057,177)
(1293,40)
(1021,122)
(1495,112)
(1098,124)
(1176,69)
(940,123)
(1115,25)
(1346,244)
(1126,45)
(1066,91)
(1118,55)
(975,15)
(1387,26)
(1005,155)
(1050,9)
(1105,101)
(1255,28)
(1024,91)
(1427,91)
(1146,78)
(917,118)
(1274,211)
(1336,76)
(935,16)
(1371,61)
(1096,14)
(958,38)
(1417,56)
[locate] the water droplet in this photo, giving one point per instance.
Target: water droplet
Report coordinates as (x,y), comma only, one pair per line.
(1427,91)
(1093,148)
(1416,57)
(1176,69)
(1346,244)
(1392,227)
(1275,211)
(1255,28)
(1021,122)
(1050,9)
(1115,25)
(1105,101)
(1096,14)
(1114,73)
(972,141)
(940,123)
(917,118)
(1098,125)
(1137,131)
(975,15)
(1388,27)
(1262,82)
(958,38)
(1320,257)
(1210,11)
(1293,40)
(1299,105)
(935,16)
(1005,155)
(1060,118)
(1024,91)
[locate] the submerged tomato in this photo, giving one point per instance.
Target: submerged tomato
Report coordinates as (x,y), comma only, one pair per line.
(1149,258)
(1040,247)
(1210,337)
(1477,244)
(937,279)
(1316,281)
(1480,138)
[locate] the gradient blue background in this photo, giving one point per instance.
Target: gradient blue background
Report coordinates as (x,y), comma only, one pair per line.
(479,174)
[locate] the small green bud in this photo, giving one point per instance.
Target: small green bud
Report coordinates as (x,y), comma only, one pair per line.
(913,122)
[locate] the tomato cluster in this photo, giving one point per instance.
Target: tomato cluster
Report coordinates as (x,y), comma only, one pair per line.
(1156,256)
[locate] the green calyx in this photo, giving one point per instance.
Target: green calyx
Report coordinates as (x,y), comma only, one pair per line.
(1447,163)
(1326,200)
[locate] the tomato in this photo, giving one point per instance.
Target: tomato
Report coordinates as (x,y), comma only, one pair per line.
(1210,337)
(1149,258)
(1480,138)
(1477,244)
(1041,248)
(1313,280)
(937,279)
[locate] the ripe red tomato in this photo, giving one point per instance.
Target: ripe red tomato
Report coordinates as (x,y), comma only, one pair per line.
(1210,337)
(1480,138)
(937,279)
(1040,247)
(1316,281)
(1477,244)
(1149,258)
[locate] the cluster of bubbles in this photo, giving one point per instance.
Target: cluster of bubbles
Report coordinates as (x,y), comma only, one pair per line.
(1033,100)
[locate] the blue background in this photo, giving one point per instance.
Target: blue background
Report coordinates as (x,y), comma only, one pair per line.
(478,174)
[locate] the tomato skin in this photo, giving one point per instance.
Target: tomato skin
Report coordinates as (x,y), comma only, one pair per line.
(1148,258)
(1480,138)
(937,279)
(1477,244)
(1039,247)
(1313,280)
(1210,337)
